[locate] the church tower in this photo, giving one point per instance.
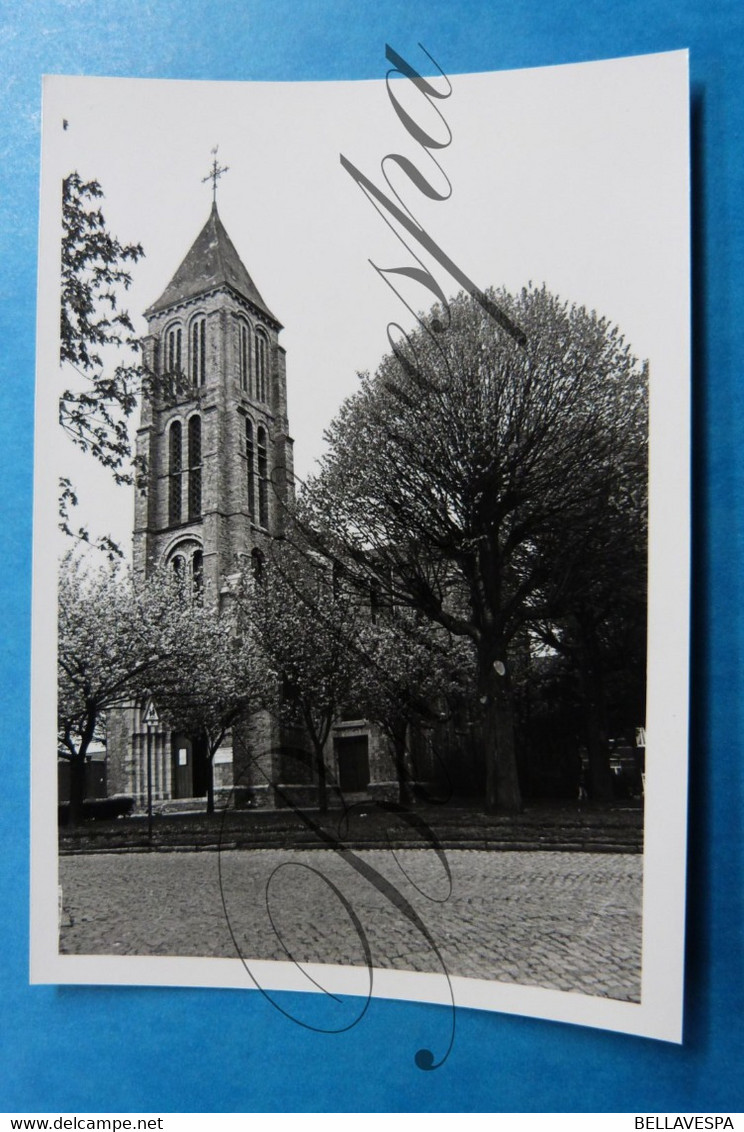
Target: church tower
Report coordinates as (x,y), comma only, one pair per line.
(216,475)
(213,438)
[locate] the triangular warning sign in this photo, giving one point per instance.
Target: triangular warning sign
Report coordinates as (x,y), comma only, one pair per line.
(151,716)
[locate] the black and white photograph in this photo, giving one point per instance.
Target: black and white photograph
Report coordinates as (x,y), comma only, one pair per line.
(361,540)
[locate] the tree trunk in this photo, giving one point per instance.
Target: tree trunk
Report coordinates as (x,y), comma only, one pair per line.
(77,789)
(398,731)
(77,765)
(502,781)
(600,774)
(210,782)
(322,780)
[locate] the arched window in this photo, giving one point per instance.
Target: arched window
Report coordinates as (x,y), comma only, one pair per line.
(244,356)
(199,351)
(250,457)
(195,468)
(175,468)
(260,367)
(263,479)
(173,350)
(257,564)
(197,574)
(186,565)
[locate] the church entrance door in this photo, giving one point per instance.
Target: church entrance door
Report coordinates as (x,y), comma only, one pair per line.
(352,753)
(189,766)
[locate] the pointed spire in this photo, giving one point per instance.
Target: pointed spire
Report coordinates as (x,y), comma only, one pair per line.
(211,262)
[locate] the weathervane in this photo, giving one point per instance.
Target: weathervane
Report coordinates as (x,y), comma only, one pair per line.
(215,174)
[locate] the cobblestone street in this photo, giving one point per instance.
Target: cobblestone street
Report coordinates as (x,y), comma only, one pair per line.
(569,921)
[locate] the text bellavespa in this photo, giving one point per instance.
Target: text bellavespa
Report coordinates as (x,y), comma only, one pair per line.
(697,1122)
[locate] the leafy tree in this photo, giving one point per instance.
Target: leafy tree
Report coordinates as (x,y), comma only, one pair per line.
(117,643)
(213,677)
(104,656)
(597,597)
(447,469)
(408,672)
(305,621)
(99,397)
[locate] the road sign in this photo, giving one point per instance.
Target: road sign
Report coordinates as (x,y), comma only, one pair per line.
(151,716)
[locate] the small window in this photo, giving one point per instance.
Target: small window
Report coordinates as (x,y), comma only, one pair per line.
(175,467)
(199,351)
(173,350)
(263,480)
(195,468)
(250,457)
(260,367)
(244,357)
(178,566)
(257,564)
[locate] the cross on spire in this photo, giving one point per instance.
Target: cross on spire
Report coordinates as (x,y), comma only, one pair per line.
(215,173)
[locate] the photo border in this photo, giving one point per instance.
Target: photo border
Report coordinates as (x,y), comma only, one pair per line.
(659,1014)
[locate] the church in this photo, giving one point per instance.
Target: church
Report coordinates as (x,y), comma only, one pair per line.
(216,456)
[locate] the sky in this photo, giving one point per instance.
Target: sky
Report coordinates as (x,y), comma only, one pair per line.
(565,175)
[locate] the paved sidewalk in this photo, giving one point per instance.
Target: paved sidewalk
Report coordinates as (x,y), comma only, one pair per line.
(566,921)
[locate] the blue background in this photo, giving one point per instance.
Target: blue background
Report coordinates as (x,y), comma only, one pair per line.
(133,1049)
